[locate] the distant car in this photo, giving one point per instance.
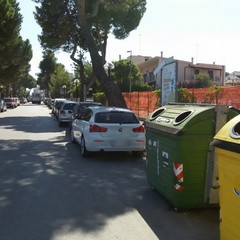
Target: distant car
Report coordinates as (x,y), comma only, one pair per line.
(17,101)
(56,103)
(3,106)
(108,129)
(80,106)
(23,100)
(11,103)
(65,112)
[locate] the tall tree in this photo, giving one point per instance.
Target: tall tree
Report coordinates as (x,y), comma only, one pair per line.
(71,25)
(47,66)
(15,54)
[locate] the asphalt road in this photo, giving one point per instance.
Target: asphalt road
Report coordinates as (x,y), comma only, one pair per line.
(49,192)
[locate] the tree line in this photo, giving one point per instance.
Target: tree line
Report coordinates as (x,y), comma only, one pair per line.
(78,27)
(15,53)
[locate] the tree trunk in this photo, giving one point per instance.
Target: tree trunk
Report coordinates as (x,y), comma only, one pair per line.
(112,91)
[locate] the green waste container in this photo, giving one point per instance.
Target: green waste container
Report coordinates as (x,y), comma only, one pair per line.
(178,138)
(227,147)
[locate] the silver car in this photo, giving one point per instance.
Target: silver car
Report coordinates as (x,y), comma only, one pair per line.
(65,111)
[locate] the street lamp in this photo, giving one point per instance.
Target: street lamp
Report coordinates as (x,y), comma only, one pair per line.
(64,90)
(76,81)
(129,76)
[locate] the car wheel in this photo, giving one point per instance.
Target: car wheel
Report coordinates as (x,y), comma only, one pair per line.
(84,151)
(72,137)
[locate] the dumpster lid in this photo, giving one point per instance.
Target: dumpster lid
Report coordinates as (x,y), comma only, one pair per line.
(228,136)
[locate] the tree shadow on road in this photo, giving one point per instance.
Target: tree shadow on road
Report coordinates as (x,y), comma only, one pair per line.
(46,187)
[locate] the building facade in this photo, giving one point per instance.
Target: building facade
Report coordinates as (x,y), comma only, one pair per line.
(185,71)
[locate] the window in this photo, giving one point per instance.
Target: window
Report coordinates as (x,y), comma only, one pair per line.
(87,114)
(116,117)
(196,71)
(210,73)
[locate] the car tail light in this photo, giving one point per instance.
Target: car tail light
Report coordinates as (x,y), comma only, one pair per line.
(96,128)
(140,129)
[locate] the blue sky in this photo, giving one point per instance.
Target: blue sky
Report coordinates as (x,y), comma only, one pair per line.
(207,30)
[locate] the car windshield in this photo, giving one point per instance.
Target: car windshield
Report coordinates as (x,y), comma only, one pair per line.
(116,117)
(8,100)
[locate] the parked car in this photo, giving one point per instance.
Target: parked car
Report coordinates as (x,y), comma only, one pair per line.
(3,105)
(23,100)
(56,104)
(64,114)
(17,101)
(108,129)
(80,106)
(11,103)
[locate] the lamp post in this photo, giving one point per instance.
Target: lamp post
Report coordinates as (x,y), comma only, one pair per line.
(76,81)
(129,76)
(64,90)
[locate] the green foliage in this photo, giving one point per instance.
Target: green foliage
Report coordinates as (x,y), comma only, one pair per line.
(100,97)
(185,96)
(59,78)
(83,25)
(61,28)
(212,94)
(202,80)
(125,73)
(47,66)
(158,94)
(15,54)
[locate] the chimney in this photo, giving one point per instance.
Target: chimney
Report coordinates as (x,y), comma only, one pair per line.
(192,60)
(161,54)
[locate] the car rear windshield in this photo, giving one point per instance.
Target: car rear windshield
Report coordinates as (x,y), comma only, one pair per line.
(69,106)
(116,117)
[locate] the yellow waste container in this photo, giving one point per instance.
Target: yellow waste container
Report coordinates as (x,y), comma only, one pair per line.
(227,148)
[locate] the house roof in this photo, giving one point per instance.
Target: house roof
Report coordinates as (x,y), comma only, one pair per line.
(207,66)
(150,64)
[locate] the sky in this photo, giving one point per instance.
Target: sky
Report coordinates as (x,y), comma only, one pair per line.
(205,30)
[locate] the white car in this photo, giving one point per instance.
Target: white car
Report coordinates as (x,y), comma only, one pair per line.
(102,128)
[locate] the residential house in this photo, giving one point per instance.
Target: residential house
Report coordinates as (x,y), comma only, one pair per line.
(147,68)
(171,72)
(185,71)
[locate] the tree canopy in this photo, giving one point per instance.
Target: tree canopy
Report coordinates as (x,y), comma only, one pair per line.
(15,53)
(128,76)
(80,24)
(47,66)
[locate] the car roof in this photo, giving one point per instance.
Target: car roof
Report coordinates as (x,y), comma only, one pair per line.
(59,99)
(89,103)
(96,109)
(69,101)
